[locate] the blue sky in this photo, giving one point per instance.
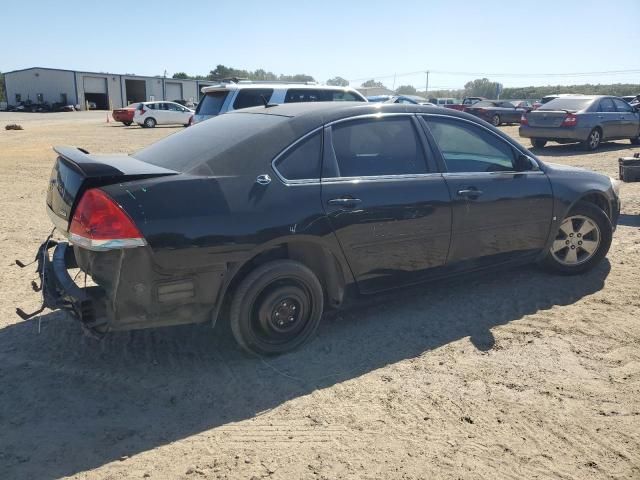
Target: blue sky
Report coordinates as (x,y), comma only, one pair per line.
(529,43)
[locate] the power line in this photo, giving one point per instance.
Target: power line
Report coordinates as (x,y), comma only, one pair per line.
(512,75)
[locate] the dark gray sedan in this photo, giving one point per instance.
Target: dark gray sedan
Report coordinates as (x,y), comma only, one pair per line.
(498,112)
(588,119)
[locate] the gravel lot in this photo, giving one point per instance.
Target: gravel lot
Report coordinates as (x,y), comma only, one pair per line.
(517,375)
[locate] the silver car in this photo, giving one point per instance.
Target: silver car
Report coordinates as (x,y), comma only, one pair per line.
(588,119)
(229,96)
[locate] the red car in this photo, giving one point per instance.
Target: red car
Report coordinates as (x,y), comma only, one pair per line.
(125,115)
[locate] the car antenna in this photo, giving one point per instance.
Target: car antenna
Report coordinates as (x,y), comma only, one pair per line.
(266,102)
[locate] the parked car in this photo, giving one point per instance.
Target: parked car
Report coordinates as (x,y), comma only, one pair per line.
(466,102)
(150,114)
(443,102)
(588,119)
(548,98)
(497,112)
(230,96)
(411,99)
(125,114)
(525,104)
(280,213)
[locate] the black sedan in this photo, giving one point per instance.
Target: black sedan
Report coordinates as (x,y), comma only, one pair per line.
(498,112)
(275,214)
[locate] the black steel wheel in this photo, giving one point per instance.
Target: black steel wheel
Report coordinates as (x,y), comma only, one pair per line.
(538,142)
(276,308)
(582,241)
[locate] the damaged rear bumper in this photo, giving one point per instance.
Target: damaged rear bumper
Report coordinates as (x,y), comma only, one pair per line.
(59,291)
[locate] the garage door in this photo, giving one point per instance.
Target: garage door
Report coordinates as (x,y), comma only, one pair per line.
(173,91)
(95,85)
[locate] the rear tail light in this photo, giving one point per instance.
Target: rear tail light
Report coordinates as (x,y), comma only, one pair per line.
(523,120)
(99,223)
(570,120)
(142,111)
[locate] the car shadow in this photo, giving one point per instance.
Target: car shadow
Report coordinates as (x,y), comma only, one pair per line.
(629,220)
(553,149)
(61,391)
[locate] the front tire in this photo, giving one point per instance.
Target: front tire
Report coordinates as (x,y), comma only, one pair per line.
(582,241)
(150,122)
(495,120)
(593,140)
(538,142)
(276,308)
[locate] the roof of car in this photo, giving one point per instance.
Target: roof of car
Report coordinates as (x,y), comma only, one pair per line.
(318,113)
(274,85)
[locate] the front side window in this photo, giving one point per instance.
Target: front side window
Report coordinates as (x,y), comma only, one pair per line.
(302,162)
(373,147)
(622,106)
(468,148)
(252,97)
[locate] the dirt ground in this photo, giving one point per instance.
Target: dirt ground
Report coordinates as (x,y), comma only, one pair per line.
(516,375)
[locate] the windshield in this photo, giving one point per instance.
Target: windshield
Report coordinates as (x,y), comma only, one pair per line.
(212,102)
(212,142)
(571,104)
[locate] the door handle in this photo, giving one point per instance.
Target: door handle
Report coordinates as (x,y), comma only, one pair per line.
(345,202)
(469,192)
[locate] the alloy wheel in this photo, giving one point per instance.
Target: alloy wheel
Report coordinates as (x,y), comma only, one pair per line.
(577,241)
(594,139)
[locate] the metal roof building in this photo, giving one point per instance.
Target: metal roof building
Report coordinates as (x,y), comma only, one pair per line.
(105,90)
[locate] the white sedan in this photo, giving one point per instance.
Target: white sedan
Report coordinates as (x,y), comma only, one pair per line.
(150,114)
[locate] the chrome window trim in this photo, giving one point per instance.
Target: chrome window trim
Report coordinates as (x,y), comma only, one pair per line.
(371,115)
(504,172)
(513,145)
(304,181)
(381,178)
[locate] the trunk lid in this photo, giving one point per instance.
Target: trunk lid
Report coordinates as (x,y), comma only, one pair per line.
(75,170)
(546,118)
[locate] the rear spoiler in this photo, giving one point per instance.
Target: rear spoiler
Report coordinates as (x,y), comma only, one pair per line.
(108,166)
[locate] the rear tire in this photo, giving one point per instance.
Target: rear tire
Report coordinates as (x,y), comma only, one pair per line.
(150,122)
(635,141)
(593,140)
(276,308)
(128,124)
(538,142)
(495,120)
(582,241)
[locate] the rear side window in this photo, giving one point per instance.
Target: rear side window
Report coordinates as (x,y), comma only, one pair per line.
(302,162)
(468,148)
(606,105)
(252,97)
(387,146)
(295,95)
(212,103)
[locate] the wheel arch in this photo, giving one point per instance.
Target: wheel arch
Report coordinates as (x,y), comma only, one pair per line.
(597,198)
(329,266)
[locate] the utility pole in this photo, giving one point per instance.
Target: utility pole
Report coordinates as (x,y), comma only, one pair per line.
(426,87)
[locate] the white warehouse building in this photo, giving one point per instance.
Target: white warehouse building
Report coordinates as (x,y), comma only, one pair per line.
(105,90)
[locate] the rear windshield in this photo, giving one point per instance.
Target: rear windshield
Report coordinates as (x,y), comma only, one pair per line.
(212,143)
(211,104)
(564,103)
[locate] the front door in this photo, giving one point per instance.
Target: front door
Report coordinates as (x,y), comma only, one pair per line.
(389,209)
(629,119)
(498,212)
(609,118)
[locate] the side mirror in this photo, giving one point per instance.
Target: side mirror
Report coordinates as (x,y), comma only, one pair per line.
(525,163)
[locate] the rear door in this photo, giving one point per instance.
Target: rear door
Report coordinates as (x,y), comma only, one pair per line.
(629,119)
(498,212)
(388,207)
(608,118)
